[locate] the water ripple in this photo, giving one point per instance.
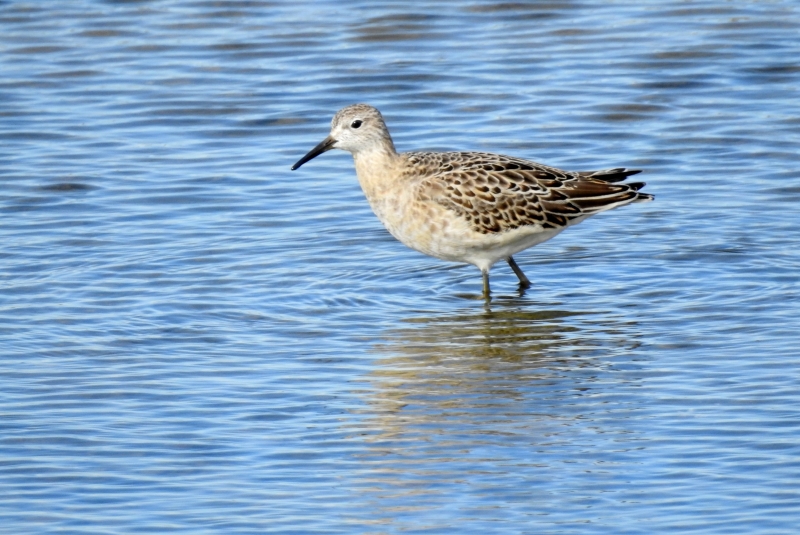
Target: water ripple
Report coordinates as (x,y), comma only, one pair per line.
(197,340)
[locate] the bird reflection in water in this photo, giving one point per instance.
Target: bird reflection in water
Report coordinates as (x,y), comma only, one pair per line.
(492,402)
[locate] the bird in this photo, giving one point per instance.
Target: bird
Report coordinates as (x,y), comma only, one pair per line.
(470,207)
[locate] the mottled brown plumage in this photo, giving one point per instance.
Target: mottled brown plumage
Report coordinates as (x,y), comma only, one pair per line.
(470,207)
(496,193)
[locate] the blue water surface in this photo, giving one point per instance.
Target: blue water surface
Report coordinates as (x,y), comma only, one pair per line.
(196,340)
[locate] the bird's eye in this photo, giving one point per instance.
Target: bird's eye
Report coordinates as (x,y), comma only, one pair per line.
(356,124)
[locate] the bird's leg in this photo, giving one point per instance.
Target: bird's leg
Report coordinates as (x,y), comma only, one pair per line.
(523,280)
(486,292)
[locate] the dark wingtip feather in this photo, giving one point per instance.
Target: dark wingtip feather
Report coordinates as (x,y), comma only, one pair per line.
(618,174)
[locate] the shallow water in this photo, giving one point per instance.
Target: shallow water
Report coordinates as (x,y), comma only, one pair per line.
(197,340)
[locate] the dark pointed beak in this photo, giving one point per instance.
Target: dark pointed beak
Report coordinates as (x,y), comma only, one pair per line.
(325,146)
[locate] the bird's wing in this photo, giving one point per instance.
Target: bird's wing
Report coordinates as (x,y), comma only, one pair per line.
(498,193)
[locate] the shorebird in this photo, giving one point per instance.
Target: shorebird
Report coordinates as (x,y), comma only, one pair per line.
(472,207)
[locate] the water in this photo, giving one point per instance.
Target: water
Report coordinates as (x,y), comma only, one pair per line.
(197,340)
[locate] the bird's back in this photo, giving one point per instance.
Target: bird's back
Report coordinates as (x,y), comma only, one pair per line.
(496,193)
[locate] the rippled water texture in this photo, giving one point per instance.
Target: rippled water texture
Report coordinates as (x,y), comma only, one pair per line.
(196,340)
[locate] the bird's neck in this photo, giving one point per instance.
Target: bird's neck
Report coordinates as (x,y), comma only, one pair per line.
(376,169)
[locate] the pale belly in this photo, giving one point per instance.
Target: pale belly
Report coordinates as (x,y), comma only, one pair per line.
(436,231)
